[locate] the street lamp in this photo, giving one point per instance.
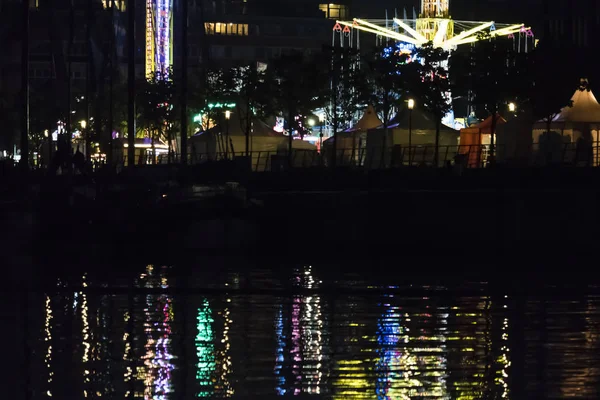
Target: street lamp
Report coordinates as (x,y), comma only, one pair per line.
(411,105)
(227,116)
(311,122)
(512,107)
(321,120)
(83,123)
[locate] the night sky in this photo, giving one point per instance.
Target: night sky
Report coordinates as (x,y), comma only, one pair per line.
(503,11)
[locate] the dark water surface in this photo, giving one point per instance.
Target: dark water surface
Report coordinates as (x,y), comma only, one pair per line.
(221,331)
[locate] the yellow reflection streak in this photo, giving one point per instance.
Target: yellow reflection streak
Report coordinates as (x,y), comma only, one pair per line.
(225,388)
(48,340)
(504,359)
(312,327)
(128,375)
(85,333)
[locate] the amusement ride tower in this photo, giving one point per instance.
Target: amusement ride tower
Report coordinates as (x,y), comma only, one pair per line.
(159,36)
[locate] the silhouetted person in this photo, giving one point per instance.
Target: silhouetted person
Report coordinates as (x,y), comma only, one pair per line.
(60,158)
(79,161)
(584,152)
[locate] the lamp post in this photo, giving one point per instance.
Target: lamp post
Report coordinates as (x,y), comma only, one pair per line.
(83,124)
(321,120)
(227,116)
(411,105)
(512,107)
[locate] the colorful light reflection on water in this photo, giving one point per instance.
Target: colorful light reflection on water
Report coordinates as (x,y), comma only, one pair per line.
(346,346)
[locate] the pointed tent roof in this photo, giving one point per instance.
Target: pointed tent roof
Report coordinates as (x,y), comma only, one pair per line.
(421,120)
(259,128)
(585,107)
(369,120)
(485,126)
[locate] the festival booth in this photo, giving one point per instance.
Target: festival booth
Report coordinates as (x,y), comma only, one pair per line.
(304,154)
(475,139)
(514,141)
(145,151)
(572,135)
(212,144)
(382,150)
(352,141)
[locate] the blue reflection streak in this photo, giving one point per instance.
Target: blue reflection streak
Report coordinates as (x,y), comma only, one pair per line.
(388,336)
(279,323)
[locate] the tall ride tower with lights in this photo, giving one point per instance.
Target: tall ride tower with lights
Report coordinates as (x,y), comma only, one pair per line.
(159,36)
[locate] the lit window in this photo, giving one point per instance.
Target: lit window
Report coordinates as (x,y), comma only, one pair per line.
(335,11)
(223,28)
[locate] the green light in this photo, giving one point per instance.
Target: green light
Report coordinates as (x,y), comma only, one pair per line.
(205,351)
(198,118)
(221,105)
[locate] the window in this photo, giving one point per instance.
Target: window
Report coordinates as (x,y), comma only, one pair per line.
(272,30)
(118,4)
(217,51)
(335,11)
(223,28)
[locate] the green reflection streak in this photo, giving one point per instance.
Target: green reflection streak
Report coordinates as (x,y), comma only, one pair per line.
(205,351)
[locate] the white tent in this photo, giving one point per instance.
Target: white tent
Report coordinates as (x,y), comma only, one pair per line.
(353,140)
(578,123)
(212,144)
(304,154)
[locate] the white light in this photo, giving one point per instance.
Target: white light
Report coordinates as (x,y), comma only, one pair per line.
(227,114)
(83,123)
(512,107)
(311,122)
(411,104)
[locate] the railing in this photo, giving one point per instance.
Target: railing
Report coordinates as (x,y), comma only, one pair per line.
(466,156)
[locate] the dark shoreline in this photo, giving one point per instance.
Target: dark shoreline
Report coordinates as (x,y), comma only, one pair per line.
(529,221)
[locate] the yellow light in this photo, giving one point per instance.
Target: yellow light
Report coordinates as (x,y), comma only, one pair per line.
(83,123)
(227,114)
(512,107)
(411,104)
(311,122)
(46,133)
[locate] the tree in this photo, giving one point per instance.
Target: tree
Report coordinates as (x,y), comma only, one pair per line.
(348,89)
(253,94)
(156,106)
(497,78)
(211,93)
(390,77)
(299,88)
(546,97)
(433,87)
(43,117)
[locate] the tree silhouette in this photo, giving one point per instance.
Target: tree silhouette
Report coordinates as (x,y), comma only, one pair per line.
(299,88)
(433,88)
(212,87)
(156,108)
(348,89)
(390,77)
(253,96)
(498,77)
